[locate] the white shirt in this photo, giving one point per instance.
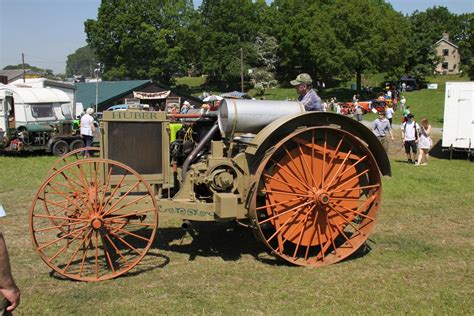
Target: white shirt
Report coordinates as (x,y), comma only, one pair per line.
(87,122)
(389,113)
(410,130)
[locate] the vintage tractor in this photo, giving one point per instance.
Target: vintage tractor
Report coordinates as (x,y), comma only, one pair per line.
(308,184)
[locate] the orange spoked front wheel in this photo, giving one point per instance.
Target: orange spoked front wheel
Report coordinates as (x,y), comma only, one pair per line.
(73,155)
(317,197)
(93,219)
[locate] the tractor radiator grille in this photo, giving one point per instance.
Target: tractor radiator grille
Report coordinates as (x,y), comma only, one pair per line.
(66,129)
(136,144)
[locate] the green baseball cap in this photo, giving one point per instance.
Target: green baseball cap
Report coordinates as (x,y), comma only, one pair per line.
(303,78)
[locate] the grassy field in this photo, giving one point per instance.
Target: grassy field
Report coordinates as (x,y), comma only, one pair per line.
(421,258)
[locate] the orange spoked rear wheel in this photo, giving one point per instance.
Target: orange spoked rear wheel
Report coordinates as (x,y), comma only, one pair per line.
(317,197)
(93,219)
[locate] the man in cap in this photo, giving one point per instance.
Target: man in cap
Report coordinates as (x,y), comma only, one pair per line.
(307,96)
(410,130)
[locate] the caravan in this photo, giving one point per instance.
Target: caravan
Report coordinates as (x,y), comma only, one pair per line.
(36,119)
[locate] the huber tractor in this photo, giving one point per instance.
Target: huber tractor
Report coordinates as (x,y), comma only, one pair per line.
(308,184)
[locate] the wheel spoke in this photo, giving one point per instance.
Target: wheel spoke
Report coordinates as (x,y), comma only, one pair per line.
(285,193)
(358,175)
(114,191)
(111,210)
(285,212)
(276,204)
(293,161)
(119,200)
(291,175)
(283,182)
(77,250)
(302,157)
(342,165)
(297,212)
(345,219)
(357,188)
(80,229)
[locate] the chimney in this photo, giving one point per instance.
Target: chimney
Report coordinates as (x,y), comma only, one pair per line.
(446,35)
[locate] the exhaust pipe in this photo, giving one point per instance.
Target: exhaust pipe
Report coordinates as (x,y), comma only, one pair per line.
(186,225)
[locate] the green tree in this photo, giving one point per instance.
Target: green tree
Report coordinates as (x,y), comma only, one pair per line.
(227,27)
(82,62)
(465,40)
(141,39)
(370,37)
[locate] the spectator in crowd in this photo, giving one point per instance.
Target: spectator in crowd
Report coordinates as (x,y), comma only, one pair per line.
(358,111)
(185,107)
(10,294)
(410,137)
(404,87)
(406,111)
(389,114)
(403,101)
(307,95)
(382,129)
(205,108)
(87,129)
(145,107)
(425,142)
(325,106)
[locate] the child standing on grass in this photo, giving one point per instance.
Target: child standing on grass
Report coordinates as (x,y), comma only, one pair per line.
(424,142)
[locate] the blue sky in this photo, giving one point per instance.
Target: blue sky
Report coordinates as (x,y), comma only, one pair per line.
(47,31)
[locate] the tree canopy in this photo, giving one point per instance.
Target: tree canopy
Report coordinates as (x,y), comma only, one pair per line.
(81,63)
(141,39)
(161,39)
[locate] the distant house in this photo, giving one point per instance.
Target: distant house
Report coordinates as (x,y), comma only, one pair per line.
(16,74)
(111,93)
(450,56)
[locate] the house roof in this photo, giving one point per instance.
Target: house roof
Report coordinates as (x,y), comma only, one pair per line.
(107,90)
(14,74)
(448,42)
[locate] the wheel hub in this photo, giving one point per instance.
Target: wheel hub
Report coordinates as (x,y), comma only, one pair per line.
(320,196)
(96,223)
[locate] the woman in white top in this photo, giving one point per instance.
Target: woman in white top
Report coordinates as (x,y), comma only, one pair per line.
(424,142)
(87,129)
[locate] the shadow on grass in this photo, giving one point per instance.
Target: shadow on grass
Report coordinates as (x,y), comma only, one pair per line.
(438,152)
(24,154)
(228,241)
(136,270)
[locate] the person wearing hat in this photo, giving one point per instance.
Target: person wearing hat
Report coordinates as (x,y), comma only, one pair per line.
(410,134)
(146,107)
(185,107)
(307,96)
(381,128)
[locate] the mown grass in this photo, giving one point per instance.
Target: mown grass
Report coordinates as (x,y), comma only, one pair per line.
(420,260)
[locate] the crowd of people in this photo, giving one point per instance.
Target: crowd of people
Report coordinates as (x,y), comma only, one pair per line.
(416,138)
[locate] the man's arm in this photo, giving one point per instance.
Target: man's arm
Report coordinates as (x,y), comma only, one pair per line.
(8,287)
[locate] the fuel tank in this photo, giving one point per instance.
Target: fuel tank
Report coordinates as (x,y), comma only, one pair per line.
(250,116)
